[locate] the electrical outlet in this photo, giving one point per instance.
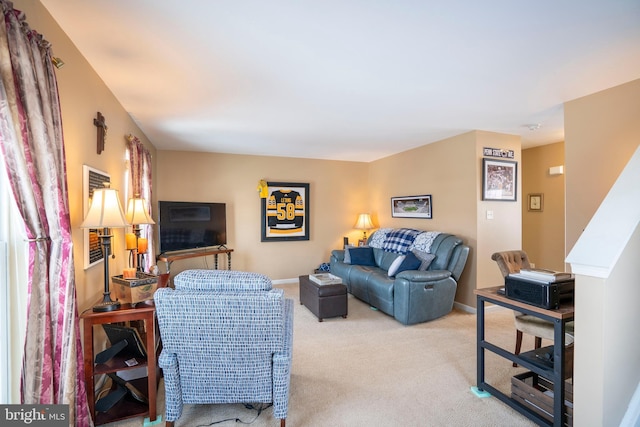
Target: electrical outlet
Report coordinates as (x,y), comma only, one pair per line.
(489,214)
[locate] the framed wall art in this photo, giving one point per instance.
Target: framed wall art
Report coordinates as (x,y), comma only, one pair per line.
(285,212)
(411,207)
(499,180)
(536,202)
(91,179)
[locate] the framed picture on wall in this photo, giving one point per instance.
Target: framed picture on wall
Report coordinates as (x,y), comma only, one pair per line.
(91,179)
(411,207)
(285,212)
(536,202)
(499,180)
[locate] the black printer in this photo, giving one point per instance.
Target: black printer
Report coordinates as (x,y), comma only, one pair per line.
(539,293)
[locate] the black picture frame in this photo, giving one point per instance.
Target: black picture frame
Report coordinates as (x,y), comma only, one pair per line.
(285,212)
(92,178)
(499,180)
(412,207)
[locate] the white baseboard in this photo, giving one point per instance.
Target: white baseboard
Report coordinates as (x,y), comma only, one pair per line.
(473,310)
(284,281)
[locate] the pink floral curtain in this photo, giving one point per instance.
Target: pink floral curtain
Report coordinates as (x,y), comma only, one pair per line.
(140,168)
(32,142)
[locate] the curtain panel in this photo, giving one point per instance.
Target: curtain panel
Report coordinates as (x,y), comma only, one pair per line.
(31,139)
(140,172)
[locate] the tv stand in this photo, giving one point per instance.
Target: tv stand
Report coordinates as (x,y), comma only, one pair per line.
(169,257)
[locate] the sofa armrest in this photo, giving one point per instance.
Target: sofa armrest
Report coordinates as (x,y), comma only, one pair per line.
(423,276)
(416,301)
(338,254)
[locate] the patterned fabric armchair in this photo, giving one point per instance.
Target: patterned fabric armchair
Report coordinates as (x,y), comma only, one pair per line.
(227,338)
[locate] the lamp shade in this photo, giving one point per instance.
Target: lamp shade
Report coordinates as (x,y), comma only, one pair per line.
(137,212)
(364,222)
(105,210)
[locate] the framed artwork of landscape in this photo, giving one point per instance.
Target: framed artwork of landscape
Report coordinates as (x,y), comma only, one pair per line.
(499,180)
(411,207)
(285,212)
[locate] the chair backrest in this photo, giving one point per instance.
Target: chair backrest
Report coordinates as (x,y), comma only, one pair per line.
(222,281)
(224,328)
(511,261)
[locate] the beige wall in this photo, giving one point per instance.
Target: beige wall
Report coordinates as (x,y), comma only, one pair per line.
(338,193)
(447,171)
(82,95)
(504,231)
(601,133)
(451,171)
(543,232)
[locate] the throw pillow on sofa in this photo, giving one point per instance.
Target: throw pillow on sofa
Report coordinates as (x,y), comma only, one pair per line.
(362,255)
(403,263)
(347,254)
(425,257)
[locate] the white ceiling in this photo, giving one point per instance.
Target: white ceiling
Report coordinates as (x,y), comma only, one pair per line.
(350,79)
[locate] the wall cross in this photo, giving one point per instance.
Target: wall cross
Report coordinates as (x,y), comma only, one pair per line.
(101,124)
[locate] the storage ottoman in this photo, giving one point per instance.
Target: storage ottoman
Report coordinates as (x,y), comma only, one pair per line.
(323,300)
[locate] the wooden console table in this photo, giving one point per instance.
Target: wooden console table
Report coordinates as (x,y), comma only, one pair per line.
(126,408)
(559,318)
(168,258)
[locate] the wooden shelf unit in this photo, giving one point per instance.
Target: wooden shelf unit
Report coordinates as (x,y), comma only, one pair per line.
(127,407)
(555,374)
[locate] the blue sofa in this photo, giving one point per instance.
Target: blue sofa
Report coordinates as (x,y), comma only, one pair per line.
(386,275)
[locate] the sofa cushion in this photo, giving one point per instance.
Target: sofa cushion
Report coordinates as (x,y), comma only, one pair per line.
(425,258)
(384,259)
(347,255)
(362,256)
(404,263)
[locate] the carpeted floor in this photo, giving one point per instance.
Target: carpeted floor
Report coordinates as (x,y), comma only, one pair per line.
(370,370)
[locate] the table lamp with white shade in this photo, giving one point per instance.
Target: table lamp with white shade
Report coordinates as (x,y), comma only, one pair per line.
(364,223)
(105,212)
(137,215)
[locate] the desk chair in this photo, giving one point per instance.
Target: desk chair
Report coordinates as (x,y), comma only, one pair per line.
(513,262)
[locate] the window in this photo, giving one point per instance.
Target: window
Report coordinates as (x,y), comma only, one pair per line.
(13,292)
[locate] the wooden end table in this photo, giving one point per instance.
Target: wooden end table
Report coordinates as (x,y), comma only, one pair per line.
(126,408)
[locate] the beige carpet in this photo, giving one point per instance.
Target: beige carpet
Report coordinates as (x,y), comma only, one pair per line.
(370,370)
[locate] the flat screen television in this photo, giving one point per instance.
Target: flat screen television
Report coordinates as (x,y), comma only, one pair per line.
(191,225)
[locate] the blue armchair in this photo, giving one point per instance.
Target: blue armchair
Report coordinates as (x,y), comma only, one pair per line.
(227,338)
